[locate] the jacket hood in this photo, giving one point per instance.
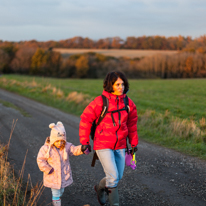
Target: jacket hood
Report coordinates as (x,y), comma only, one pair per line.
(47,141)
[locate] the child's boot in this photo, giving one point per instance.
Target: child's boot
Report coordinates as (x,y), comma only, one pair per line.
(100,190)
(113,196)
(56,202)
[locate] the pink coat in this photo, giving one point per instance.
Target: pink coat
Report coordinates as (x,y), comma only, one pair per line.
(62,175)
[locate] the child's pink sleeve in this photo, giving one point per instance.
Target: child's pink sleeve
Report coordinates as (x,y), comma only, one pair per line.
(42,160)
(75,150)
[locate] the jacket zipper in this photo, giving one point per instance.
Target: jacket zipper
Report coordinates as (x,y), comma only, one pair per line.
(119,122)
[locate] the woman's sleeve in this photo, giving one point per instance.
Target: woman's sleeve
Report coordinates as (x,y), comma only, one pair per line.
(42,160)
(132,124)
(91,112)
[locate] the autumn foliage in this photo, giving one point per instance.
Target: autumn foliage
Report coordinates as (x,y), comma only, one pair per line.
(38,58)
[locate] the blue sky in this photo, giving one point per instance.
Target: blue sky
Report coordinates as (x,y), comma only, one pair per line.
(45,20)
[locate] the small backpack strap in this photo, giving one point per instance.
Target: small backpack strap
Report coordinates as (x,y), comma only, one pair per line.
(103,113)
(104,109)
(95,157)
(126,103)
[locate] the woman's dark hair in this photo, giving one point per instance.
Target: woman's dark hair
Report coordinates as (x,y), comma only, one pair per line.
(111,78)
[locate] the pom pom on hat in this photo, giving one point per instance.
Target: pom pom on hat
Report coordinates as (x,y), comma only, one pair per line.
(59,123)
(51,125)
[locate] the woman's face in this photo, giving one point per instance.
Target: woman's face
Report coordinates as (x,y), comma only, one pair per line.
(118,87)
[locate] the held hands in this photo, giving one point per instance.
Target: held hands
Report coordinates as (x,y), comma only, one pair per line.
(86,149)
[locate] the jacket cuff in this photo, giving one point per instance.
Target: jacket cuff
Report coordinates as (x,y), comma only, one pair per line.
(84,142)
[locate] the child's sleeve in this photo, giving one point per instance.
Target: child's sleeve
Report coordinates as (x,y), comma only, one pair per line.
(75,150)
(42,160)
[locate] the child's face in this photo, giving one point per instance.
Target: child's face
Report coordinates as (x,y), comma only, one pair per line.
(59,144)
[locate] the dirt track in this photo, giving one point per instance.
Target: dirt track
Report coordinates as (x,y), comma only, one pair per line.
(163,177)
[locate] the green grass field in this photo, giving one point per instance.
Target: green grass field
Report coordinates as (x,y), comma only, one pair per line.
(171,112)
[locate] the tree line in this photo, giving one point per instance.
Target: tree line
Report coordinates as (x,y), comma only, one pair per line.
(45,62)
(143,42)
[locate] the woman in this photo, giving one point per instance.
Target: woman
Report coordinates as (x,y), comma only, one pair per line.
(110,139)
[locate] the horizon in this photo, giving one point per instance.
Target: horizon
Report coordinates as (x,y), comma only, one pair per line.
(95,40)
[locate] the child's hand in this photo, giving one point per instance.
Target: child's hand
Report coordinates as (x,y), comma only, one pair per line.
(51,171)
(86,149)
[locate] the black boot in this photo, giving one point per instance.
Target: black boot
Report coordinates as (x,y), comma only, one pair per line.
(113,196)
(100,190)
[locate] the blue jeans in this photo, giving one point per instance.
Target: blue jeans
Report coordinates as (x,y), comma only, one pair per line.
(56,194)
(113,163)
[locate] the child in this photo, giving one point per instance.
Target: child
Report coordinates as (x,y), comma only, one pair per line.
(53,161)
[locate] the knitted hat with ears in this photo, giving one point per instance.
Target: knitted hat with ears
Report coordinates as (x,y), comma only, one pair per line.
(57,133)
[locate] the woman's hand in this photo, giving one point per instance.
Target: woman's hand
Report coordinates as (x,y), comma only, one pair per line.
(86,149)
(134,149)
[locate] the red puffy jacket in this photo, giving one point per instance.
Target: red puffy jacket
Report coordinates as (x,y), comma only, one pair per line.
(108,136)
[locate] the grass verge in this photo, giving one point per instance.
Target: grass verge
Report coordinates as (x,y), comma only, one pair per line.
(13,191)
(183,135)
(171,113)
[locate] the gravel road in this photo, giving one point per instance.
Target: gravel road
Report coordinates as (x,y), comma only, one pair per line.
(162,177)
